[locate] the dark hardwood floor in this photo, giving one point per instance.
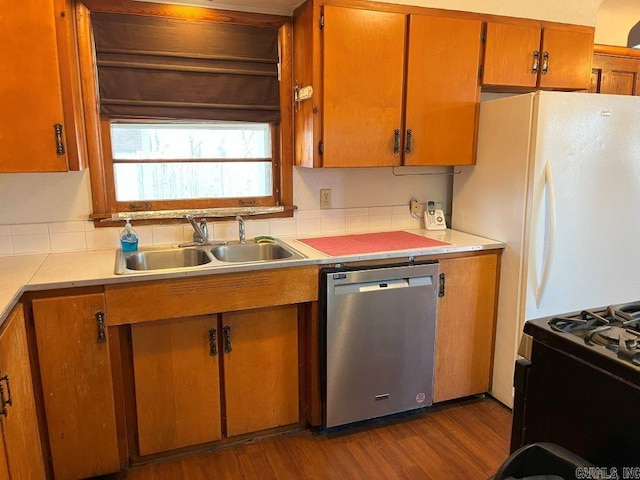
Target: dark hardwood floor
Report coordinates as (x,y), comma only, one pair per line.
(466,440)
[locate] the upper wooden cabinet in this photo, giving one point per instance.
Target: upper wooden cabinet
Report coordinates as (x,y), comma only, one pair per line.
(615,70)
(36,134)
(527,56)
(17,405)
(363,60)
(389,88)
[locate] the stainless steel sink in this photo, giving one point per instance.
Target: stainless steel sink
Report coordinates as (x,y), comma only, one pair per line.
(169,259)
(199,257)
(254,252)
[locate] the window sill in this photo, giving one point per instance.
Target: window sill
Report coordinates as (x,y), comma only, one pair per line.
(177,216)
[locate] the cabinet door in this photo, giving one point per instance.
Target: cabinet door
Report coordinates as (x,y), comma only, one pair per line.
(77,387)
(20,424)
(4,468)
(617,75)
(442,90)
(465,327)
(30,91)
(509,55)
(260,368)
(363,64)
(569,64)
(177,383)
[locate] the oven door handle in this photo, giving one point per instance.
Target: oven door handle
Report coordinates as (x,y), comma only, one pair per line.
(551,202)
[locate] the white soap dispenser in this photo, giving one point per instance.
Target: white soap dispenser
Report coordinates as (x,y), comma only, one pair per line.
(128,238)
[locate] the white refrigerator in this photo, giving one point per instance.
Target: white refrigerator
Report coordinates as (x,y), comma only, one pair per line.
(557,179)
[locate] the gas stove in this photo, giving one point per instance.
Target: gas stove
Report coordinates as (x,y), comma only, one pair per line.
(578,384)
(615,328)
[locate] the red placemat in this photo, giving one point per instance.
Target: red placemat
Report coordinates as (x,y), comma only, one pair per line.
(370,242)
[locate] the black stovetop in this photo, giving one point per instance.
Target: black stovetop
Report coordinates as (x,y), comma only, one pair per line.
(607,337)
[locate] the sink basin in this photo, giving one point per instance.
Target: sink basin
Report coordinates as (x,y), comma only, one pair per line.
(172,259)
(254,252)
(163,259)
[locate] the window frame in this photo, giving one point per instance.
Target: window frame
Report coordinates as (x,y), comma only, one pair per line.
(98,126)
(202,203)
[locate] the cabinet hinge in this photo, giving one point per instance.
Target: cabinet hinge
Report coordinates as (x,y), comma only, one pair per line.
(321,21)
(483,36)
(320,148)
(480,71)
(129,340)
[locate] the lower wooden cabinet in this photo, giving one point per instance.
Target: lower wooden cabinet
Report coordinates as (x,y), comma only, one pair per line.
(184,367)
(177,383)
(75,367)
(465,326)
(21,436)
(260,368)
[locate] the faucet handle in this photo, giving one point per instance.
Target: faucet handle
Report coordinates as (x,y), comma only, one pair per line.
(205,229)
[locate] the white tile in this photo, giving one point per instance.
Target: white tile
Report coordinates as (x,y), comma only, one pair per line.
(401,209)
(24,244)
(168,234)
(29,229)
(308,226)
(379,222)
(333,213)
(282,227)
(5,230)
(89,226)
(357,224)
(378,211)
(402,221)
(103,238)
(356,212)
(6,245)
(68,241)
(225,231)
(145,235)
(333,225)
(304,214)
(257,227)
(66,227)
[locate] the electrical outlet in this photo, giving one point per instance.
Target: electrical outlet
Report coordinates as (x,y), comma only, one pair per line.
(325,198)
(414,206)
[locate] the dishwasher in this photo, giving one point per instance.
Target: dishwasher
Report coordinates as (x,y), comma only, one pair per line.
(378,339)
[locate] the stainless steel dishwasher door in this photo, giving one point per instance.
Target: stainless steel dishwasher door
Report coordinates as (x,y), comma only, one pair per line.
(379,337)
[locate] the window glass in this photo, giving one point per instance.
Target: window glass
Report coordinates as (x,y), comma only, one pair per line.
(163,161)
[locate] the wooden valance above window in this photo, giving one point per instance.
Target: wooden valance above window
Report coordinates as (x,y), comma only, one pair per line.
(159,67)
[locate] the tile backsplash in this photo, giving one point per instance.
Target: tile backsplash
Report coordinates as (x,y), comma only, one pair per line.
(54,237)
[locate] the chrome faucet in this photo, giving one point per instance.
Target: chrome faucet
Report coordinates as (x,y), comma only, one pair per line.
(200,232)
(241,233)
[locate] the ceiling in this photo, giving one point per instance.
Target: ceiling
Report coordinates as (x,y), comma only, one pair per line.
(276,7)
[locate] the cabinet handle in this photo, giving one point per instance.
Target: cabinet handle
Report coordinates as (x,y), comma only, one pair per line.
(227,338)
(57,128)
(545,63)
(536,61)
(409,146)
(213,348)
(102,337)
(396,141)
(5,401)
(441,289)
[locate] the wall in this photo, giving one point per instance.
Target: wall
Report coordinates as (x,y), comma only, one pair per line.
(614,20)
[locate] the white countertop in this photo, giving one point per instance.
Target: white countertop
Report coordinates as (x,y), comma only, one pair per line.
(63,270)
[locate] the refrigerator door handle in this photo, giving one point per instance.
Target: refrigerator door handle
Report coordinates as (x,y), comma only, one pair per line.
(546,266)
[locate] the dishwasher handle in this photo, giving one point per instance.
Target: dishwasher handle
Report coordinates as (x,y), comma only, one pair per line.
(381,285)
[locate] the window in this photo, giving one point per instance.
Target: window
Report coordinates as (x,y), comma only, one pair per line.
(193,110)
